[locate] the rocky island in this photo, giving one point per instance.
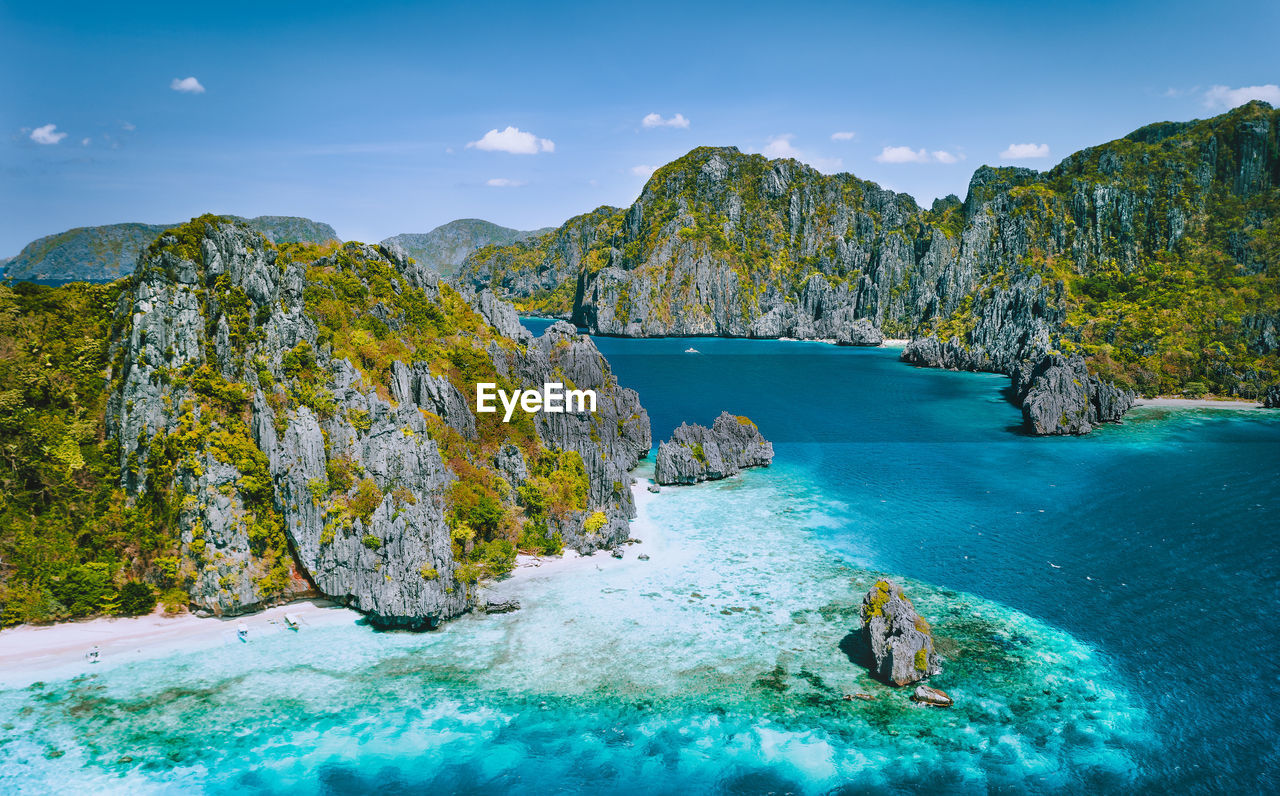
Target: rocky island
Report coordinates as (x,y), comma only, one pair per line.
(697,453)
(289,419)
(898,642)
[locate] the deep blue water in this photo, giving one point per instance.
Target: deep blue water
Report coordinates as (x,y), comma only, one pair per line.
(1156,541)
(1105,606)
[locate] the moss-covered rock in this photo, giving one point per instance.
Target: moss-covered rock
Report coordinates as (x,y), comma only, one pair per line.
(898,643)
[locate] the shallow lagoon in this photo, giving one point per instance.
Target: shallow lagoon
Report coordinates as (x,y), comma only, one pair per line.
(1087,569)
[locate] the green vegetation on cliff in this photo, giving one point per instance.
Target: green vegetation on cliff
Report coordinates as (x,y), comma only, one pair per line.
(87,530)
(71,543)
(370,315)
(1165,249)
(1155,256)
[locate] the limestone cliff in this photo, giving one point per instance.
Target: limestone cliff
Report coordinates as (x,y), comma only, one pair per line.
(1155,257)
(898,642)
(1059,396)
(697,453)
(305,414)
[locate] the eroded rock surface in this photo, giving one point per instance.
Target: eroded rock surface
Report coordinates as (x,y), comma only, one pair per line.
(697,453)
(1059,396)
(294,469)
(898,641)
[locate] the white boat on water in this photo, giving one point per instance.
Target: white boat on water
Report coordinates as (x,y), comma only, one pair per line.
(292,621)
(242,632)
(692,351)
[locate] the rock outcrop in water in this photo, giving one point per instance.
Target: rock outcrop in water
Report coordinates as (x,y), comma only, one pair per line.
(1271,399)
(1060,396)
(697,453)
(305,414)
(1124,254)
(898,641)
(934,697)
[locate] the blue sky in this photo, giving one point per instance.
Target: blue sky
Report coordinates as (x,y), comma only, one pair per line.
(361,115)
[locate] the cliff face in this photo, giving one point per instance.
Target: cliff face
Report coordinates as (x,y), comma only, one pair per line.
(305,413)
(697,453)
(728,244)
(897,640)
(1155,257)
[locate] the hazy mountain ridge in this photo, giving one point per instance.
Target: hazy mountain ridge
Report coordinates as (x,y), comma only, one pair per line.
(107,252)
(445,247)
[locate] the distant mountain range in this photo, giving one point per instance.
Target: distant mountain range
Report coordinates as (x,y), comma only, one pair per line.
(445,247)
(106,253)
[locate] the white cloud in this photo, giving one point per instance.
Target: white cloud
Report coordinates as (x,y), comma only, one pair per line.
(127,127)
(47,134)
(186,85)
(503,182)
(1025,151)
(902,154)
(780,146)
(642,170)
(1226,98)
(656,120)
(843,135)
(905,154)
(85,141)
(513,140)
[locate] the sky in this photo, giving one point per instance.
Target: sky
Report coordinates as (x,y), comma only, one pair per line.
(381,118)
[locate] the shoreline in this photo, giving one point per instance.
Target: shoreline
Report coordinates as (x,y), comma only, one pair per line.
(34,653)
(1195,403)
(888,342)
(649,536)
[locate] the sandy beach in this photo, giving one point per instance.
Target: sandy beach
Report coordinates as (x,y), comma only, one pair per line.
(29,653)
(1193,403)
(46,652)
(650,543)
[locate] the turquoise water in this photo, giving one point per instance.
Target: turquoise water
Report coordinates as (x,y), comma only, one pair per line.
(1103,605)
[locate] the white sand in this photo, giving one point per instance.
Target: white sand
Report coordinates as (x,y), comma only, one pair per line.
(642,528)
(1194,403)
(48,652)
(29,652)
(895,342)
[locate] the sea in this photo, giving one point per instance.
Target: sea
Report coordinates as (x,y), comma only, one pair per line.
(1105,607)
